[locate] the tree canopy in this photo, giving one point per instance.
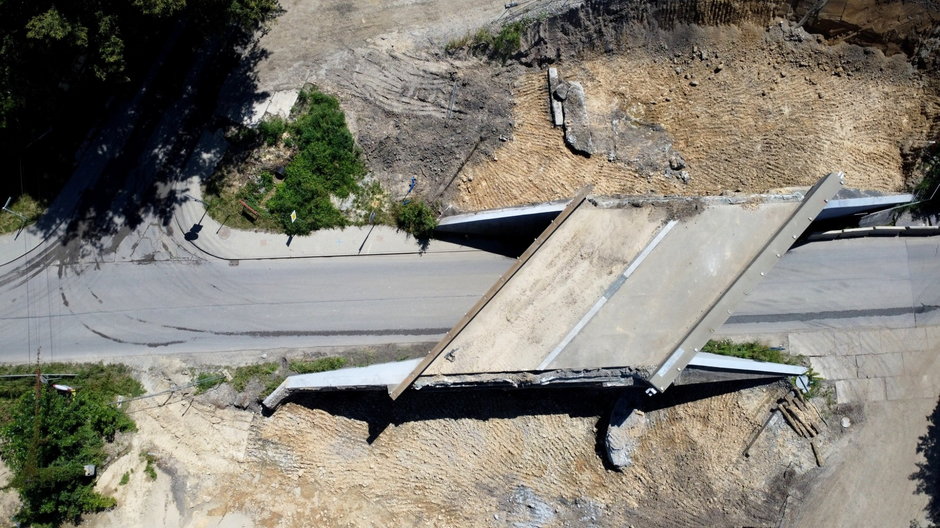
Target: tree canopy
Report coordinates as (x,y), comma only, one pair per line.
(59,58)
(47,443)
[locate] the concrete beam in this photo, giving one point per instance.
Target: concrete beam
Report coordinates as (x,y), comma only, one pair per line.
(377,376)
(558,115)
(497,222)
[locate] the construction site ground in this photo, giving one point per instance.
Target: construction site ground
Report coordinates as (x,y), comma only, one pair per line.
(750,106)
(445,459)
(763,107)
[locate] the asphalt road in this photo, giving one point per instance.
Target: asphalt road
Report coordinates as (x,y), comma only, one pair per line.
(107,310)
(98,310)
(877,282)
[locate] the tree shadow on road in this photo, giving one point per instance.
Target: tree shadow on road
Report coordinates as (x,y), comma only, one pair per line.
(162,133)
(927,475)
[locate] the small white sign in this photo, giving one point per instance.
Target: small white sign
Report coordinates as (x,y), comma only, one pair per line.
(293,216)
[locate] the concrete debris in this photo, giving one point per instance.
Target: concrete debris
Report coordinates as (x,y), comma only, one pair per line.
(555,97)
(614,377)
(676,162)
(577,129)
(681,175)
(627,426)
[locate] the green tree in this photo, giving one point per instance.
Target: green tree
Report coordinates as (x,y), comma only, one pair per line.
(47,443)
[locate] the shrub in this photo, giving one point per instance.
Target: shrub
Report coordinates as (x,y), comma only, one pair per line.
(507,41)
(417,218)
(327,164)
(105,380)
(500,46)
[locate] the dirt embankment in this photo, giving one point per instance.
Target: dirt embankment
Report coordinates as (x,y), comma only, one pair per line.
(749,108)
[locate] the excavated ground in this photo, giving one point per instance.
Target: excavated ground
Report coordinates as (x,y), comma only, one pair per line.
(452,459)
(749,108)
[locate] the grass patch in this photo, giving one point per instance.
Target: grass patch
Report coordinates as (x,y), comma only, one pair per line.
(500,46)
(125,478)
(374,205)
(760,352)
(317,365)
(265,372)
(25,205)
(149,468)
(750,350)
(207,380)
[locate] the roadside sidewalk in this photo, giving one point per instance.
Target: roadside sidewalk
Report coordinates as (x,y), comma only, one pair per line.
(193,226)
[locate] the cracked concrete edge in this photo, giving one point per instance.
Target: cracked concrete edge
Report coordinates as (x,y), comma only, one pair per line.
(576,202)
(814,202)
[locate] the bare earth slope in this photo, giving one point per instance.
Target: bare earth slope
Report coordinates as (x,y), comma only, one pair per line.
(749,108)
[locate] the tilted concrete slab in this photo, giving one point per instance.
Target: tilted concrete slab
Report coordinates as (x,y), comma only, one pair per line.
(536,309)
(382,375)
(639,286)
(675,286)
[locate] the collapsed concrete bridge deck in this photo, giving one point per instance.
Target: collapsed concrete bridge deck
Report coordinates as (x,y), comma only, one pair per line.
(618,294)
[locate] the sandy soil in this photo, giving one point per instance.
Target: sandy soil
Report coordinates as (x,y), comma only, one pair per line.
(454,459)
(749,108)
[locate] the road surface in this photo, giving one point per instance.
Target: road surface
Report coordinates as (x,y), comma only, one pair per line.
(106,310)
(878,282)
(96,310)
